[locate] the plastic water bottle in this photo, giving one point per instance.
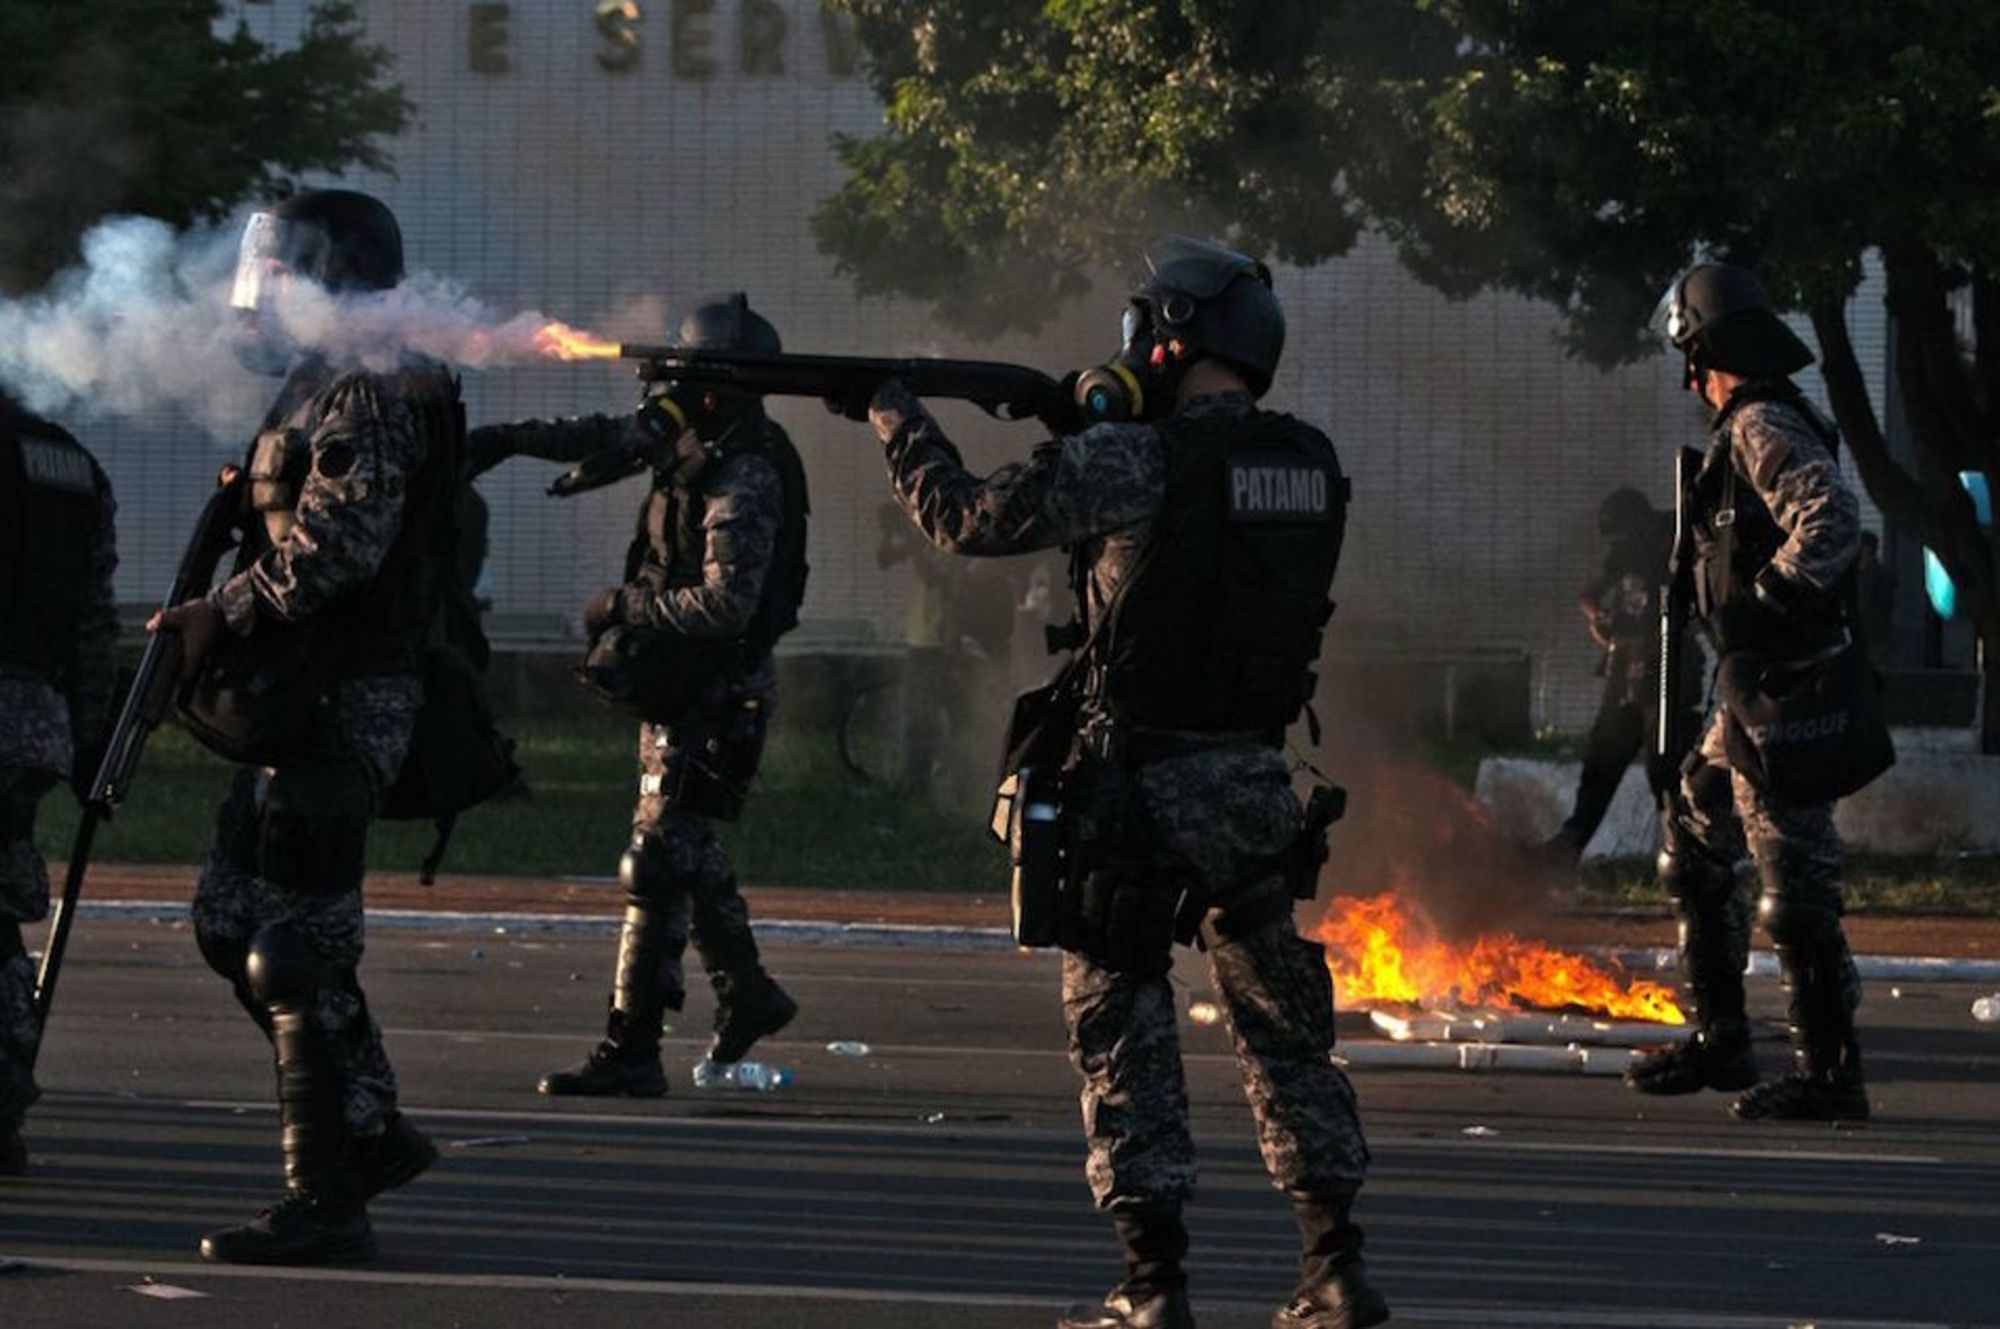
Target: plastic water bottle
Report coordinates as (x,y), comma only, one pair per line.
(750,1076)
(848,1047)
(1987,1009)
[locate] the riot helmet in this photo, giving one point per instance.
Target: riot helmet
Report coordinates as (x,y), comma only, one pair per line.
(1210,300)
(336,239)
(714,323)
(1719,316)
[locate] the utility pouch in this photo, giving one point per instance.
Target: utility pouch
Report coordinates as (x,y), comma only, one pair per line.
(1325,805)
(458,757)
(1805,734)
(1123,901)
(654,675)
(1028,818)
(254,698)
(714,756)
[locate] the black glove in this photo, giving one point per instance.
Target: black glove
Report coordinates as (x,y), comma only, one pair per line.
(604,610)
(853,402)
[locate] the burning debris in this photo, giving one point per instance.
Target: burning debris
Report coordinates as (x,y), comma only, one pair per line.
(1383,949)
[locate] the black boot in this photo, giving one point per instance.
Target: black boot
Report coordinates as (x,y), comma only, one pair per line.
(323,1218)
(1826,1083)
(1153,1293)
(1334,1291)
(646,985)
(1715,945)
(396,1157)
(747,1007)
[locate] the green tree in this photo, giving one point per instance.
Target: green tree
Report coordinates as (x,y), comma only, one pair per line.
(163,107)
(1575,151)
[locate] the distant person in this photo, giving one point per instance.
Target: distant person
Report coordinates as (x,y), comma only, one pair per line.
(58,642)
(1621,611)
(714,576)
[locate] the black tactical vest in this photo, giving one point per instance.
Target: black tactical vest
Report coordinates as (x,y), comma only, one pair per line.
(383,628)
(50,502)
(670,544)
(1219,629)
(1735,535)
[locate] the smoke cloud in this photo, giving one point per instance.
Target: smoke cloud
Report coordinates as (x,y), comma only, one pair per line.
(142,328)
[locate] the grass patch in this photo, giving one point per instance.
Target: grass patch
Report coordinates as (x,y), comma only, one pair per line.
(808,822)
(1872,885)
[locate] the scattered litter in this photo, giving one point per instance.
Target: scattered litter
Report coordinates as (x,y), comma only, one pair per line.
(1896,993)
(163,1291)
(478,954)
(500,931)
(1987,1009)
(848,1047)
(1480,1132)
(488,1141)
(932,1118)
(754,1076)
(575,977)
(1203,1012)
(1897,1239)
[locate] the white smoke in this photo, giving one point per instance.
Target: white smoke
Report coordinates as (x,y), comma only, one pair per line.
(142,329)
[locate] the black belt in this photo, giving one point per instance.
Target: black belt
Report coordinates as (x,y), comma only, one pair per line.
(1130,745)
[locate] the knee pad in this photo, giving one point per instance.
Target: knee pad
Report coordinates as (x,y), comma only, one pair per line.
(11,944)
(646,871)
(1691,875)
(282,968)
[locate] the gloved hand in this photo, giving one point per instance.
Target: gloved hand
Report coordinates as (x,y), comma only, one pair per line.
(853,402)
(604,610)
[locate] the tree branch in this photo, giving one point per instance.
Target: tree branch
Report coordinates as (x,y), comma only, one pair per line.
(1895,491)
(1929,362)
(1986,347)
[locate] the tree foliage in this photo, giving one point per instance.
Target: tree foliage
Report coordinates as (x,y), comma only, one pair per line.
(1579,152)
(163,107)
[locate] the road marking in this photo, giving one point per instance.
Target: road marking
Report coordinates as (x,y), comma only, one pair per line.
(851,1125)
(1622,1318)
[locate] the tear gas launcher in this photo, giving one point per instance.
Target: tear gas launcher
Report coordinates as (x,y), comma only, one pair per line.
(147,702)
(844,382)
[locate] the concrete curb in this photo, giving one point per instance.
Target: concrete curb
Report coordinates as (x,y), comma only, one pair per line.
(1643,960)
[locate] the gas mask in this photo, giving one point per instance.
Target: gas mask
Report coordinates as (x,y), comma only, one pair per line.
(1141,382)
(275,253)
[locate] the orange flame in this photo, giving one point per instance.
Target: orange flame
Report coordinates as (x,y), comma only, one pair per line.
(560,341)
(1385,949)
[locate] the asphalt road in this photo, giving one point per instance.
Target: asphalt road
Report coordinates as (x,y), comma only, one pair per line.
(937,1180)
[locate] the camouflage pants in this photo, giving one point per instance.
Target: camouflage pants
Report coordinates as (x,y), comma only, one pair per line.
(686,880)
(1222,816)
(24,898)
(1798,854)
(368,720)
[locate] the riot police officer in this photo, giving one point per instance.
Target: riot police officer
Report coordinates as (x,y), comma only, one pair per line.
(1205,532)
(305,668)
(1777,532)
(713,578)
(1620,608)
(58,634)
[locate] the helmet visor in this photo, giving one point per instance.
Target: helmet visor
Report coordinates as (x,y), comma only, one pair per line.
(275,250)
(1671,316)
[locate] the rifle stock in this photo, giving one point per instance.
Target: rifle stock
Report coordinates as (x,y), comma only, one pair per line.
(146,703)
(1004,391)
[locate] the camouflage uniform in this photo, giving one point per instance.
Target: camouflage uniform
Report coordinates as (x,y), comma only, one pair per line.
(47,726)
(1219,818)
(1784,463)
(367,445)
(679,882)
